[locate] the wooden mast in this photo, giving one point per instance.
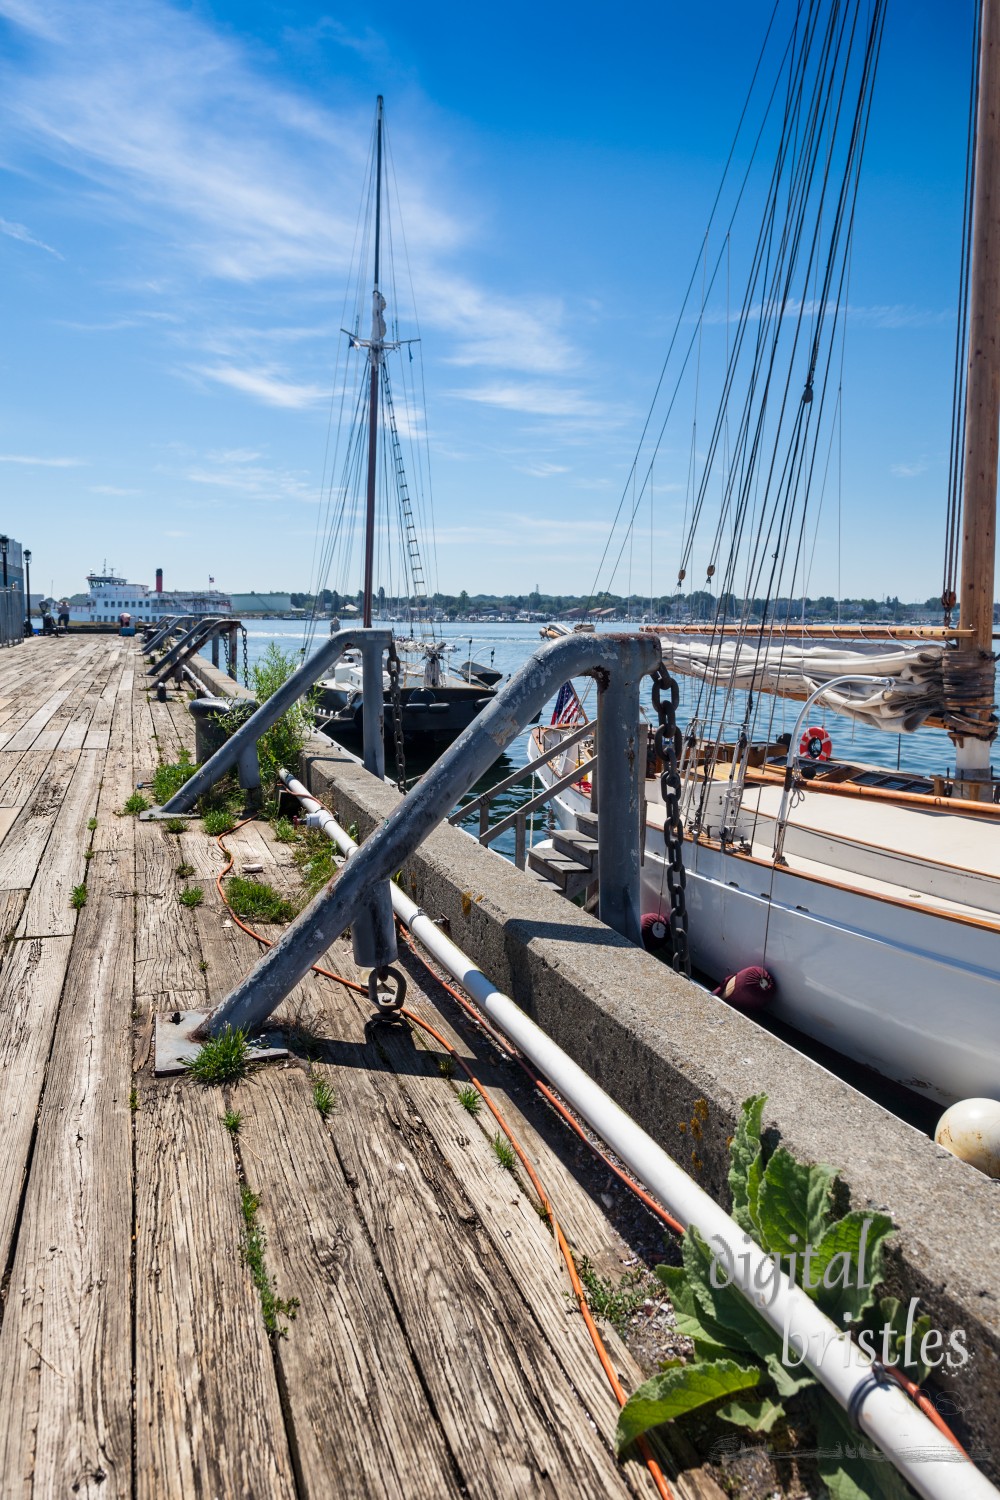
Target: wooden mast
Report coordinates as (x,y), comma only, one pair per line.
(982,403)
(374,357)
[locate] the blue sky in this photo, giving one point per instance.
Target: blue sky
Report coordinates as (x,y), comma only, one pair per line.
(179,185)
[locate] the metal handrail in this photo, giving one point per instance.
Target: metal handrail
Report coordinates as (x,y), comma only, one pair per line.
(539,800)
(618,662)
(485,798)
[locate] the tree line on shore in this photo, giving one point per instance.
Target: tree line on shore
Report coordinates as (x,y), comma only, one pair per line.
(697,605)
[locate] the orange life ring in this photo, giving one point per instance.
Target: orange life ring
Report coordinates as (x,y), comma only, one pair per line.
(816,744)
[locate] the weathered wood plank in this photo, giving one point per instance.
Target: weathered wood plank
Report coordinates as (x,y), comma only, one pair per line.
(168,951)
(361,1421)
(62,865)
(31,984)
(512,1419)
(24,738)
(11,907)
(65,1345)
(23,777)
(24,846)
(208,1413)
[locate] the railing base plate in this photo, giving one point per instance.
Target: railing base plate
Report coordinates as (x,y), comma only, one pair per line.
(174,1043)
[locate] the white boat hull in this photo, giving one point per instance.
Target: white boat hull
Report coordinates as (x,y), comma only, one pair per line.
(912,993)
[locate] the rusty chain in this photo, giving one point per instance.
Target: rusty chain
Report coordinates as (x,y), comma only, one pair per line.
(669,746)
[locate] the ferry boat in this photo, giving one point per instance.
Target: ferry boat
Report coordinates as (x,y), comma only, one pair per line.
(110,595)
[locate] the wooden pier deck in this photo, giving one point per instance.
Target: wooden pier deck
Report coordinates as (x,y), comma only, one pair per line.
(435,1351)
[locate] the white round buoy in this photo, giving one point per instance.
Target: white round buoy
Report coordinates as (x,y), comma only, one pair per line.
(970,1130)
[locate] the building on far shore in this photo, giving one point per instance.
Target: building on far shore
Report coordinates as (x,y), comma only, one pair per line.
(263,604)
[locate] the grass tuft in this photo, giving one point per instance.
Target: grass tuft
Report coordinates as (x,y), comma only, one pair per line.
(168,779)
(232,1120)
(446,1066)
(316,859)
(222,1059)
(218,820)
(133,1100)
(184,869)
(175,825)
(78,897)
(469,1099)
(193,896)
(135,805)
(284,830)
(91,824)
(324,1097)
(255,899)
(272,1306)
(504,1152)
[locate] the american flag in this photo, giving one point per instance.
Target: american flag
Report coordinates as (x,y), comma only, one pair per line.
(211,579)
(568,707)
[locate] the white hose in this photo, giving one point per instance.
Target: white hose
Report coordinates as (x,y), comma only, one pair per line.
(922,1454)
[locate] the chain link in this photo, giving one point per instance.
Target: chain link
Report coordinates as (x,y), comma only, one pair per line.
(225,647)
(246,664)
(669,744)
(397,717)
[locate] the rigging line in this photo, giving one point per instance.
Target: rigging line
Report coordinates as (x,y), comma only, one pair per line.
(956,457)
(323,517)
(763,238)
(694,269)
(771,301)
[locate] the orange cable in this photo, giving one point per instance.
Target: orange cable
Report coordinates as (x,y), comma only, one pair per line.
(916,1394)
(655,1472)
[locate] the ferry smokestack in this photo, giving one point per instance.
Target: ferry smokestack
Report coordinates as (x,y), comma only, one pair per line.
(159,580)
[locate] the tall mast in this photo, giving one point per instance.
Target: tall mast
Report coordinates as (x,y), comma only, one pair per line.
(982,415)
(374,358)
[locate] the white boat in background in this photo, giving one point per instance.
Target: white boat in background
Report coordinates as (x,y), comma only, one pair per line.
(871,897)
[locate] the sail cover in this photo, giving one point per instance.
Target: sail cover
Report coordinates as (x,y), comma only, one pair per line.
(895,690)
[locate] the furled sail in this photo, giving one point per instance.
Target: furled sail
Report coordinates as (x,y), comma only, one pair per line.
(895,690)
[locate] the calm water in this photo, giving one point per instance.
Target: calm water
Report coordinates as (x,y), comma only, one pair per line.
(507,647)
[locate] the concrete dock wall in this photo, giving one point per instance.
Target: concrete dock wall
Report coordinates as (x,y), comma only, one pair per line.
(681,1063)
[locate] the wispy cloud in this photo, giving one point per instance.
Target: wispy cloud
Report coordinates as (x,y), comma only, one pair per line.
(875,315)
(910,470)
(265,386)
(110,489)
(542,470)
(42,463)
(240,475)
(537,400)
(176,128)
(18,232)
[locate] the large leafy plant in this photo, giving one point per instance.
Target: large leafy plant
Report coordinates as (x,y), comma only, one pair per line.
(785,1206)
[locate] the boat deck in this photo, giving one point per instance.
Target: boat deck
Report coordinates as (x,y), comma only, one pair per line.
(434,1350)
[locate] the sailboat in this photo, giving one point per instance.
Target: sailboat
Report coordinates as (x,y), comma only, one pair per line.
(870,896)
(435,703)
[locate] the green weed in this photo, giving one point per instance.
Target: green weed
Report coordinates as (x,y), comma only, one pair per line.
(324,1097)
(89,853)
(469,1099)
(284,830)
(255,899)
(175,825)
(218,820)
(446,1066)
(184,869)
(91,824)
(133,1100)
(254,1246)
(135,805)
(316,858)
(232,1120)
(504,1152)
(78,897)
(222,1059)
(168,779)
(280,745)
(615,1302)
(192,896)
